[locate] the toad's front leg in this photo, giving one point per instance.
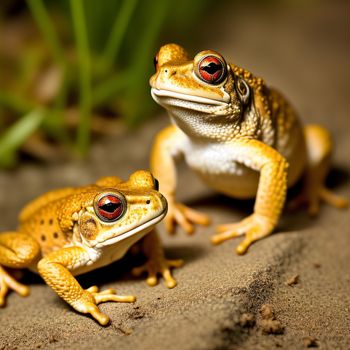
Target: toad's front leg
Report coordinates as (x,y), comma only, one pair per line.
(166,149)
(270,196)
(55,270)
(157,262)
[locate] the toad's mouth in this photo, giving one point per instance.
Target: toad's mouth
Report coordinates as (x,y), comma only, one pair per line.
(139,230)
(186,97)
(171,99)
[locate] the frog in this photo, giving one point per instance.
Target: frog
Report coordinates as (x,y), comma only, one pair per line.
(241,137)
(70,231)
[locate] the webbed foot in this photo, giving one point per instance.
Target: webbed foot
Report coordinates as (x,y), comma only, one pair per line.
(162,266)
(185,217)
(254,227)
(92,297)
(319,149)
(312,197)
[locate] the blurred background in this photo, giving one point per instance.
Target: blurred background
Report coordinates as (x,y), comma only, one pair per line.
(74,70)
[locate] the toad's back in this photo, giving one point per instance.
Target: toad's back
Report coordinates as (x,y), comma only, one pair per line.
(39,219)
(44,217)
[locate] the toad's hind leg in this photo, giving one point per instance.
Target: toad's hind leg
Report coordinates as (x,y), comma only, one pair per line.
(319,149)
(17,251)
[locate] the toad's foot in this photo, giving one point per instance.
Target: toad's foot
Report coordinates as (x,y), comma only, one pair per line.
(162,266)
(254,227)
(312,197)
(7,282)
(184,216)
(319,149)
(92,297)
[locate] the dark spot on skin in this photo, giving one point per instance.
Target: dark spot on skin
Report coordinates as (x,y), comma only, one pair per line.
(55,235)
(148,201)
(43,238)
(42,222)
(50,221)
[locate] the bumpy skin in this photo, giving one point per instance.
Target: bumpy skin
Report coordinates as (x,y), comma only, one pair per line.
(63,233)
(241,137)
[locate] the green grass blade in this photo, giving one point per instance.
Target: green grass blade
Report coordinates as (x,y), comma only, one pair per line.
(110,87)
(118,33)
(16,103)
(141,63)
(79,25)
(17,134)
(44,23)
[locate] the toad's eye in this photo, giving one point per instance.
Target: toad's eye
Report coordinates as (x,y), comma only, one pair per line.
(211,69)
(155,62)
(109,207)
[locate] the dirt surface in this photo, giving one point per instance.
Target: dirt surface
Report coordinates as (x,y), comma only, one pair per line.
(220,297)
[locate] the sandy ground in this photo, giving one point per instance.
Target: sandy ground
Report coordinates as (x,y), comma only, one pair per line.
(216,305)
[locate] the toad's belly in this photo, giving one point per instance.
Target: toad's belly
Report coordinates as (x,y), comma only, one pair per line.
(215,164)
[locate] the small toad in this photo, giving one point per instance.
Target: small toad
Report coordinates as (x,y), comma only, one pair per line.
(71,231)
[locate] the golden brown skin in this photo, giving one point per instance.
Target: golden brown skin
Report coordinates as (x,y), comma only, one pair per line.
(241,137)
(70,231)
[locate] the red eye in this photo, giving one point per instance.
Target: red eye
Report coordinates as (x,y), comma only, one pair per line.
(211,69)
(109,207)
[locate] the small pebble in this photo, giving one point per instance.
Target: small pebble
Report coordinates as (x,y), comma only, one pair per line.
(266,311)
(271,326)
(291,281)
(247,320)
(310,342)
(268,323)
